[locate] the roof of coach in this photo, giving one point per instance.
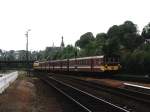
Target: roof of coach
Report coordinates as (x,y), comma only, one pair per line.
(53,61)
(91,57)
(82,58)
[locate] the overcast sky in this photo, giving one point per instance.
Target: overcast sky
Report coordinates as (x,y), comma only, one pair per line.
(51,19)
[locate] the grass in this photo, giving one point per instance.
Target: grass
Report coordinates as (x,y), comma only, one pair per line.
(22,74)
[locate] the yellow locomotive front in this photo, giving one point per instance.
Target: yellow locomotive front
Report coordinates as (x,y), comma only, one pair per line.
(36,65)
(110,63)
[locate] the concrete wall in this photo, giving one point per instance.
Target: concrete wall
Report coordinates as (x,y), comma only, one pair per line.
(6,80)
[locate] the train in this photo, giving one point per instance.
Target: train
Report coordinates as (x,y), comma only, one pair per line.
(92,64)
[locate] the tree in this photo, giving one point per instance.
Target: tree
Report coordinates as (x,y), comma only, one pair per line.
(101,38)
(113,31)
(111,47)
(11,55)
(90,49)
(146,31)
(126,36)
(132,41)
(84,40)
(68,52)
(100,41)
(128,27)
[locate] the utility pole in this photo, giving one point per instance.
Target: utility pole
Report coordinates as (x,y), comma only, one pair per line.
(27,52)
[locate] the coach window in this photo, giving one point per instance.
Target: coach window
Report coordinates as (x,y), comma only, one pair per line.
(111,59)
(106,60)
(70,63)
(100,61)
(117,60)
(114,60)
(97,61)
(87,62)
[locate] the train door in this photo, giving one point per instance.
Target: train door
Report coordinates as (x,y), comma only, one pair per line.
(60,65)
(67,65)
(48,66)
(92,65)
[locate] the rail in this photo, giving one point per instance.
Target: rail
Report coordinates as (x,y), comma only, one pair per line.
(136,95)
(87,101)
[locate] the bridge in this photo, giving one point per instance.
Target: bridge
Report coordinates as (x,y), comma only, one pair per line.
(6,64)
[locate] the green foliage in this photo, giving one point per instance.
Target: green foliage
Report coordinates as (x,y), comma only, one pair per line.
(111,47)
(113,31)
(132,41)
(90,49)
(100,41)
(146,31)
(125,37)
(145,47)
(85,39)
(68,52)
(137,62)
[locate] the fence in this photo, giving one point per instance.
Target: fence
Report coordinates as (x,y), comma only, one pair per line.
(6,80)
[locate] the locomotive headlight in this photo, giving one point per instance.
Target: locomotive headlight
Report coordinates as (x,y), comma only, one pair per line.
(119,65)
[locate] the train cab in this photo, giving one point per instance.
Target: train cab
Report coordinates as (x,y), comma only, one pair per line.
(110,63)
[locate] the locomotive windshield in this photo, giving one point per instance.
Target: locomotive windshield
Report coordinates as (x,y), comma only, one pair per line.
(111,59)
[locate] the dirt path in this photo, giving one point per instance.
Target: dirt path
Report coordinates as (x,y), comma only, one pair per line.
(29,95)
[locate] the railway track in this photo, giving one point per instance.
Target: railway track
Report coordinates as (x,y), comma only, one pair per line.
(85,100)
(136,95)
